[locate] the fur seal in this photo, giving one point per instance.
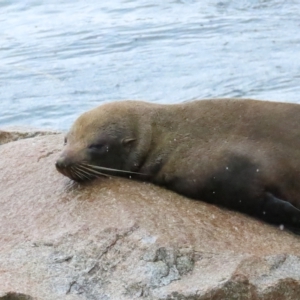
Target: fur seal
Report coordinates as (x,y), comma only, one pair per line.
(240,154)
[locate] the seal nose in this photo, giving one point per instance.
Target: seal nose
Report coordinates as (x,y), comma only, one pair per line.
(59,163)
(62,163)
(62,166)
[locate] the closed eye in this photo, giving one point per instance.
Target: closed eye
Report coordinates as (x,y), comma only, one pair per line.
(96,146)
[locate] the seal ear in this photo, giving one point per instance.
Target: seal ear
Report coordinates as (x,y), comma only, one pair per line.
(127,141)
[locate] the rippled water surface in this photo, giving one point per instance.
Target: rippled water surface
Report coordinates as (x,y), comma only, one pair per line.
(61,58)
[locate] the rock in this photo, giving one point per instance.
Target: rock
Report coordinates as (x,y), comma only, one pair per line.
(10,134)
(120,239)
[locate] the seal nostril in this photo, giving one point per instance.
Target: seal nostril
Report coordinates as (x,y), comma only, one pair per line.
(60,163)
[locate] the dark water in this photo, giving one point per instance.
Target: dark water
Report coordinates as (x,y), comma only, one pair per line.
(60,58)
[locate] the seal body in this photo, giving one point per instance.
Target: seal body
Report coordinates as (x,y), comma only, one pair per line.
(241,154)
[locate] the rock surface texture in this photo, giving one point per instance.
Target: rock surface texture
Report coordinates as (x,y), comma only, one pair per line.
(119,239)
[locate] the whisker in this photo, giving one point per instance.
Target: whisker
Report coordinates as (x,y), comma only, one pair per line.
(82,176)
(86,175)
(97,173)
(94,172)
(90,170)
(109,169)
(77,173)
(70,172)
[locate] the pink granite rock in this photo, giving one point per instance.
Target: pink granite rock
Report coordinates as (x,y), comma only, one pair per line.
(121,239)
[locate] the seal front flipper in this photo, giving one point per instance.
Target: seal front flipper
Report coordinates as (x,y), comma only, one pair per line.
(280,212)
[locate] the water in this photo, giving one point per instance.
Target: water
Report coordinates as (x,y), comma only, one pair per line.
(61,58)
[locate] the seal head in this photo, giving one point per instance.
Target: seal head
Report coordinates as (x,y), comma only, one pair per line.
(102,142)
